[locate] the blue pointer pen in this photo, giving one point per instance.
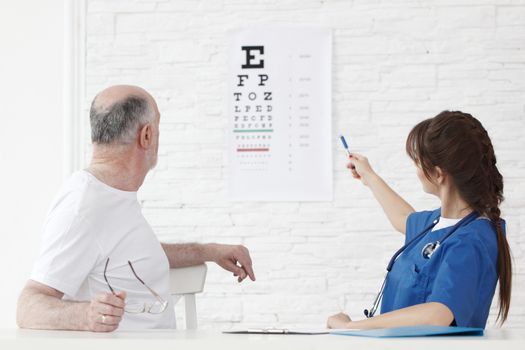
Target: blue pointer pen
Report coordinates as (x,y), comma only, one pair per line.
(345,145)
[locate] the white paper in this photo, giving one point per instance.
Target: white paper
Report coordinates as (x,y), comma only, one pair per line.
(279,111)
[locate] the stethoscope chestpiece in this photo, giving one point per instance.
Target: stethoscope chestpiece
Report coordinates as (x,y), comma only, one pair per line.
(429,249)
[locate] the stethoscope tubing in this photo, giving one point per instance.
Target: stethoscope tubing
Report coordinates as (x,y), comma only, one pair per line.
(463,222)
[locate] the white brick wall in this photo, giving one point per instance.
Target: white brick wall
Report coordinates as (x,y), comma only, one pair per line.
(394,63)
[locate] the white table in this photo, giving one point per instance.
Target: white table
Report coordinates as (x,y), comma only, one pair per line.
(506,339)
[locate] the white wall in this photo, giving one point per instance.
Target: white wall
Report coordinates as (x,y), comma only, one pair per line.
(31,149)
(394,63)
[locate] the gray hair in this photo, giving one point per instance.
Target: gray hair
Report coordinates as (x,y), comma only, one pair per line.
(120,121)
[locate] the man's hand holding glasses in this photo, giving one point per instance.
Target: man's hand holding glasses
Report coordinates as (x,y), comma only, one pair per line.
(105,311)
(133,306)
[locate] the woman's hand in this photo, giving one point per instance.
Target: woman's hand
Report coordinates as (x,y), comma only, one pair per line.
(360,168)
(340,320)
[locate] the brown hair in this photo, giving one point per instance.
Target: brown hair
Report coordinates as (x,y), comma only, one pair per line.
(457,143)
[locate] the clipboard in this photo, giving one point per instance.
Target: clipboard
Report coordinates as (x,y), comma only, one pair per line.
(412,331)
(279,331)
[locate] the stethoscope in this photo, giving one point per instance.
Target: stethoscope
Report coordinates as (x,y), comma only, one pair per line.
(428,250)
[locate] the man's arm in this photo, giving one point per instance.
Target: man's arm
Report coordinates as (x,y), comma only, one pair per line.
(41,307)
(234,258)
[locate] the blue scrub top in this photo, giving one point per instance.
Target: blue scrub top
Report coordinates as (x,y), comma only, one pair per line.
(461,273)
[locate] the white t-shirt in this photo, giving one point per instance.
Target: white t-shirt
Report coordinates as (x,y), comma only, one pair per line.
(90,221)
(444,222)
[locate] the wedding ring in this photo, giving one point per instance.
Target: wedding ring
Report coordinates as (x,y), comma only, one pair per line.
(103,319)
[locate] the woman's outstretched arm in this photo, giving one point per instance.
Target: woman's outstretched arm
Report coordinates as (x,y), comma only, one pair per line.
(394,206)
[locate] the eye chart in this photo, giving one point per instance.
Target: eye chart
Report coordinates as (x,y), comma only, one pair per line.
(279,111)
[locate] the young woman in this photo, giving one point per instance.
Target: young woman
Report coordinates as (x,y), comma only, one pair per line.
(446,273)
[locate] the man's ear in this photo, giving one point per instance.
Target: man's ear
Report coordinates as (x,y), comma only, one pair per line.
(146,136)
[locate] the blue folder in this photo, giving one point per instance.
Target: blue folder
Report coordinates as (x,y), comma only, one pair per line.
(413,331)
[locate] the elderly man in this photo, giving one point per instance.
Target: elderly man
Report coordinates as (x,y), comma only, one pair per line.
(101,266)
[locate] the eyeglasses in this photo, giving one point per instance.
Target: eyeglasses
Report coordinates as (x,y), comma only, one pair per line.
(136,306)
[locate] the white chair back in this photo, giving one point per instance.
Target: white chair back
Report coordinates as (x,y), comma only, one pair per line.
(186,282)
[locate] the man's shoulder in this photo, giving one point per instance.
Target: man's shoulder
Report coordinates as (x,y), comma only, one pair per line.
(85,200)
(71,195)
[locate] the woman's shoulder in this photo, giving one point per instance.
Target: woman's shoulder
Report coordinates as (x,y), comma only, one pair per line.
(481,229)
(418,220)
(481,235)
(424,217)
